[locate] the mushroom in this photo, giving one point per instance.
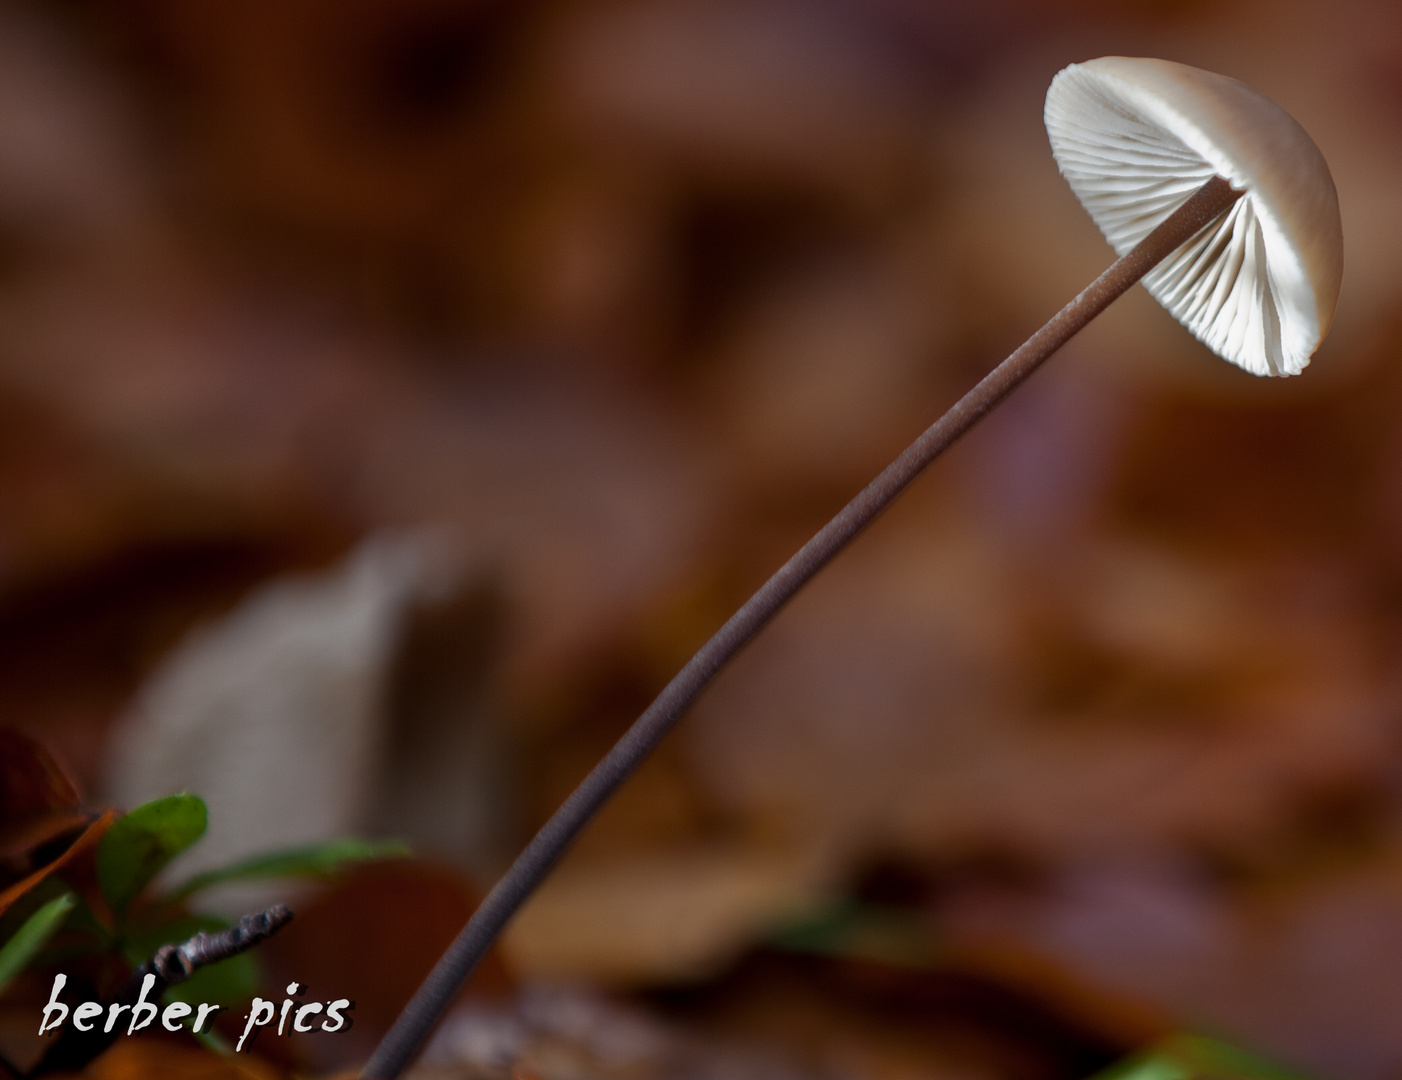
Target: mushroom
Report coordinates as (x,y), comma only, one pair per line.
(1134,137)
(1198,182)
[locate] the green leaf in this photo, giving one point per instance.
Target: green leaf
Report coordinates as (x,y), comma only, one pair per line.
(215,1042)
(139,844)
(230,982)
(315,860)
(30,938)
(1193,1057)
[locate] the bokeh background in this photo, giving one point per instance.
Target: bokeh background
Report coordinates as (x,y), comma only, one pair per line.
(393,393)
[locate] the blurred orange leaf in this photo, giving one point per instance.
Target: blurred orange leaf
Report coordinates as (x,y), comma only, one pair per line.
(77,858)
(149,1059)
(401,916)
(39,808)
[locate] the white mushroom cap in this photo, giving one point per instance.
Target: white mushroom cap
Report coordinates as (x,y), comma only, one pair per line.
(1136,137)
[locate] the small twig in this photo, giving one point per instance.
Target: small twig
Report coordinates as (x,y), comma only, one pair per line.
(402,1043)
(175,963)
(171,964)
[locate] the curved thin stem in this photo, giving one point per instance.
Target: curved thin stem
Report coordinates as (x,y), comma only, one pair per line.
(401,1044)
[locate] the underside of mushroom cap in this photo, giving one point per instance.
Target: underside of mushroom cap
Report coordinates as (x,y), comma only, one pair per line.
(1136,137)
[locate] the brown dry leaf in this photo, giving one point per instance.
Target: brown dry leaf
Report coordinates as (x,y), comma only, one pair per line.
(31,781)
(77,859)
(373,936)
(149,1059)
(655,918)
(39,808)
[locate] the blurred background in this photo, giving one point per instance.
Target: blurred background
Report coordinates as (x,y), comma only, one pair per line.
(393,394)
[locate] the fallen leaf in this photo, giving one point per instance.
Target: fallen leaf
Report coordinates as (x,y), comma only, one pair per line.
(78,854)
(372,937)
(149,1059)
(31,781)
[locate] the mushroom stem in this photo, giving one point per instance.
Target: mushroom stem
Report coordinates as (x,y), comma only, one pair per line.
(401,1044)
